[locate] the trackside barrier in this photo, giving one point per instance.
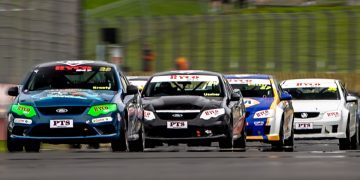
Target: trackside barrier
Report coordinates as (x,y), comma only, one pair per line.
(5,101)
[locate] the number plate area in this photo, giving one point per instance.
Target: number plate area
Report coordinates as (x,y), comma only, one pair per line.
(62,123)
(177,124)
(304,126)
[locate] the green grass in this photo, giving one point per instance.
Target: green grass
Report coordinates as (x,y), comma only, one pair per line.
(91,4)
(249,48)
(2,146)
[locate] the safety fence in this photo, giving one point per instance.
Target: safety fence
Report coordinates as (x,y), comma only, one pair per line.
(320,41)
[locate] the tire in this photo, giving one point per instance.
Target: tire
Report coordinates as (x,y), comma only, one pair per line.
(139,144)
(354,142)
(13,146)
(344,143)
(227,142)
(241,142)
(120,144)
(32,146)
(289,142)
(278,146)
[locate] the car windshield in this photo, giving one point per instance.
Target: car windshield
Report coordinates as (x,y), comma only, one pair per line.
(311,93)
(72,77)
(253,87)
(195,85)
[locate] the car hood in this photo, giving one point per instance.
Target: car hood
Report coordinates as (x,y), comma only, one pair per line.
(315,105)
(257,104)
(66,97)
(182,102)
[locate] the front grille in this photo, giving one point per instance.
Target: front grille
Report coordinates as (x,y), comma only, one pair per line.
(177,116)
(70,110)
(307,131)
(309,114)
(179,107)
(77,130)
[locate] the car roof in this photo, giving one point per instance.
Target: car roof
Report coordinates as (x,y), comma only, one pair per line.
(188,72)
(249,76)
(76,62)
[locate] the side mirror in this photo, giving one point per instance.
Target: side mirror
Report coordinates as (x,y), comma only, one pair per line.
(284,96)
(235,97)
(13,91)
(351,99)
(131,90)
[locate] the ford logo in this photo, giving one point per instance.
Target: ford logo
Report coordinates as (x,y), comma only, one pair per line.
(177,115)
(62,110)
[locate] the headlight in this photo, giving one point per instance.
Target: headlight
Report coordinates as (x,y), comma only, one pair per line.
(264,114)
(149,115)
(22,121)
(212,113)
(332,115)
(23,110)
(102,109)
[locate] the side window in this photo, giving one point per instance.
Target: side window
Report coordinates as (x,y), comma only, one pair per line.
(345,93)
(124,83)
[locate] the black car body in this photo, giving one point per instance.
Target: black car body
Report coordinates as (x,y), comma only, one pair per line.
(68,102)
(193,107)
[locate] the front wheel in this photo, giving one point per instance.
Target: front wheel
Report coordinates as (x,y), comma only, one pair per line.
(120,144)
(241,142)
(13,146)
(278,146)
(32,146)
(139,144)
(345,143)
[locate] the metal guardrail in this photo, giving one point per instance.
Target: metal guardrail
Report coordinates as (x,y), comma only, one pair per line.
(266,42)
(35,31)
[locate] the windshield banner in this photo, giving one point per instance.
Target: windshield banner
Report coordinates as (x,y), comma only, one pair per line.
(250,81)
(184,78)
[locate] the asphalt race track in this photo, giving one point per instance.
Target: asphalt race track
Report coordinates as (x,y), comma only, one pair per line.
(311,160)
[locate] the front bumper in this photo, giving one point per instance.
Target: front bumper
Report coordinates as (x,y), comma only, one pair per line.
(322,129)
(197,130)
(83,130)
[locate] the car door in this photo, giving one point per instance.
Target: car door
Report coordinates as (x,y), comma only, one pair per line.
(133,107)
(351,106)
(237,109)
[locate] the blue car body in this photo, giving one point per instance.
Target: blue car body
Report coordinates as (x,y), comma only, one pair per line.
(268,118)
(75,115)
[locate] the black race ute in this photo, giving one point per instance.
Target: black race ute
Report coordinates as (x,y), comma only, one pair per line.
(192,107)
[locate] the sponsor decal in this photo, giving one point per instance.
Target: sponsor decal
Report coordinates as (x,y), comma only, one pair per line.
(333,114)
(73,68)
(253,82)
(61,123)
(212,94)
(177,125)
(183,78)
(331,85)
(212,113)
(101,87)
(101,120)
(250,102)
(148,115)
(105,69)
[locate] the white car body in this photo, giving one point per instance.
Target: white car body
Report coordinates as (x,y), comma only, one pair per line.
(322,119)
